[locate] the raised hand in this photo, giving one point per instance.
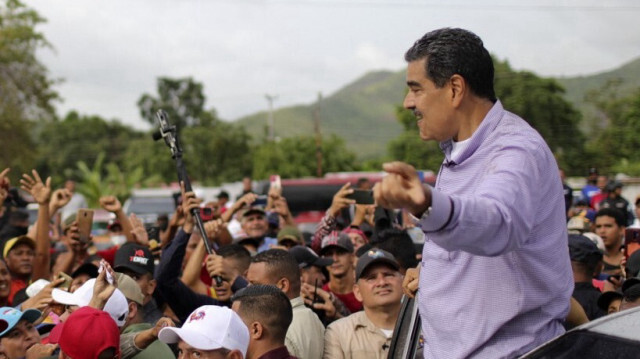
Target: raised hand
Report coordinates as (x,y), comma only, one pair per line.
(102,289)
(189,202)
(340,200)
(325,303)
(41,191)
(110,203)
(59,199)
(402,188)
(4,184)
(138,231)
(411,281)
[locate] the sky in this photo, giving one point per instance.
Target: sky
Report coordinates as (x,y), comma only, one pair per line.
(109,53)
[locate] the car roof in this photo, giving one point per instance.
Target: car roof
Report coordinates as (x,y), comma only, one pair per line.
(624,324)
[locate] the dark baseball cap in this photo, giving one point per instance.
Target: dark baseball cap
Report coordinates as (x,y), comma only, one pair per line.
(583,250)
(633,264)
(374,256)
(606,298)
(340,240)
(254,210)
(307,258)
(89,269)
(134,257)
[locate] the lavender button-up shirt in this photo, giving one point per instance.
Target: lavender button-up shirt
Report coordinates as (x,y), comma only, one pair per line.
(496,278)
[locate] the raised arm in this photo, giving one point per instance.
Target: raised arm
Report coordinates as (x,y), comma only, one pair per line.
(41,192)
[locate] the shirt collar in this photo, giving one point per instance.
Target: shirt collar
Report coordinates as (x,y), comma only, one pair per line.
(487,125)
(278,353)
(297,302)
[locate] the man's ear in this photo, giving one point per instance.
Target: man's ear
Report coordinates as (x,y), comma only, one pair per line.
(356,292)
(458,89)
(256,330)
(152,287)
(284,285)
(133,310)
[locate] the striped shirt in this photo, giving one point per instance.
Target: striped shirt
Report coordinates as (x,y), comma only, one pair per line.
(495,277)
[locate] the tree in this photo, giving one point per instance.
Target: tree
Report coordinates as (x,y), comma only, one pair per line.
(82,138)
(182,99)
(294,157)
(25,88)
(540,102)
(616,146)
(103,180)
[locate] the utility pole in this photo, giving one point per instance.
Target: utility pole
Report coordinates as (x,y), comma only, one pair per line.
(270,99)
(318,135)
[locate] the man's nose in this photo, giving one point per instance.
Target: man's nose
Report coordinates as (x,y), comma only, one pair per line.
(409,101)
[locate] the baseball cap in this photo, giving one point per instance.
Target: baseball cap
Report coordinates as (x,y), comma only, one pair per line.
(290,233)
(583,250)
(87,333)
(9,317)
(116,306)
(135,258)
(340,240)
(307,258)
(374,256)
(210,327)
(579,224)
(606,298)
(593,171)
(129,288)
(13,242)
(254,210)
(89,269)
(633,264)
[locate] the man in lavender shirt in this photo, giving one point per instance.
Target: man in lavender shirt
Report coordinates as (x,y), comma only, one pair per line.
(495,276)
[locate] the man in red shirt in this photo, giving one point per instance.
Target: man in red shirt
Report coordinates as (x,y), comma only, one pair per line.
(342,275)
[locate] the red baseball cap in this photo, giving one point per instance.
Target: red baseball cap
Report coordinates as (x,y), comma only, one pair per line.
(87,333)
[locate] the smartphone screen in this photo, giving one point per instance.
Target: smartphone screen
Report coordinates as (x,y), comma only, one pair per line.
(362,196)
(85,222)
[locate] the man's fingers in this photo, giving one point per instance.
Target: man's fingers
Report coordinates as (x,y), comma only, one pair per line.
(36,176)
(400,168)
(4,172)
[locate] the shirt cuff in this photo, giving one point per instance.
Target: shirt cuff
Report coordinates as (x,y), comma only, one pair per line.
(440,213)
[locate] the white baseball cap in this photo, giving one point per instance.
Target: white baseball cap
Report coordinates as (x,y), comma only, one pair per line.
(116,306)
(210,327)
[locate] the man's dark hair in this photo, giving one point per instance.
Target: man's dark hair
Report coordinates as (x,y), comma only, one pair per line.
(280,264)
(399,243)
(614,213)
(237,252)
(265,304)
(455,51)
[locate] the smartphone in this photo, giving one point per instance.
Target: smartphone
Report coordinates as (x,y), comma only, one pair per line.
(362,196)
(274,182)
(631,241)
(153,231)
(206,214)
(260,201)
(67,281)
(85,222)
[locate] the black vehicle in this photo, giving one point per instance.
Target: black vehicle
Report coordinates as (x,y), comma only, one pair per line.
(613,336)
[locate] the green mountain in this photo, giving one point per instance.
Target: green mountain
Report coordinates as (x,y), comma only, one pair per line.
(626,79)
(363,112)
